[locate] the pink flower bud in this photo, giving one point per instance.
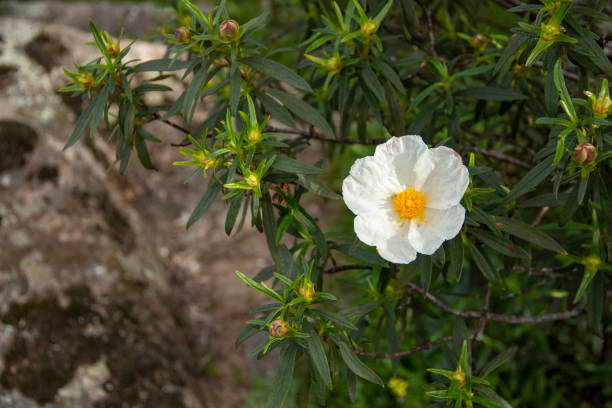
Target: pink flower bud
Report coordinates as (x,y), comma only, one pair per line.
(279,328)
(229,30)
(182,35)
(585,153)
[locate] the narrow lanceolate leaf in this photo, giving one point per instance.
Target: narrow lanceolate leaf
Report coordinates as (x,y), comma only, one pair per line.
(357,251)
(284,375)
(528,233)
(269,224)
(318,357)
(96,106)
(277,110)
(491,93)
(371,81)
(357,366)
(277,71)
(596,296)
(393,341)
(143,152)
(497,361)
(312,185)
(454,249)
(205,202)
(302,110)
(485,266)
(290,165)
(391,75)
(234,91)
(335,318)
(531,180)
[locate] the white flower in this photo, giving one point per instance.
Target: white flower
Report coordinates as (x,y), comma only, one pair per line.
(406,197)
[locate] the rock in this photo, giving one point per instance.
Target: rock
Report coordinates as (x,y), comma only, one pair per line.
(106,300)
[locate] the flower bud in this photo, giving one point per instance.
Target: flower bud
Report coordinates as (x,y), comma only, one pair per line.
(182,35)
(334,64)
(478,40)
(252,180)
(369,27)
(307,290)
(229,30)
(585,153)
(279,328)
(254,135)
(113,49)
(86,80)
(549,32)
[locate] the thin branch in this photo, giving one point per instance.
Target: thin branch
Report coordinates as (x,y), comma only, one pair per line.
(494,316)
(498,155)
(414,350)
(541,215)
(157,116)
(343,268)
(526,290)
(311,134)
(484,316)
(430,30)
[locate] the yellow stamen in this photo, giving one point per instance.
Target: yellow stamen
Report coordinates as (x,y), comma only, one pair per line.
(409,203)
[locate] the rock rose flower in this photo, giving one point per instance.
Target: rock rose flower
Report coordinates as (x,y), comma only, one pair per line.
(406,197)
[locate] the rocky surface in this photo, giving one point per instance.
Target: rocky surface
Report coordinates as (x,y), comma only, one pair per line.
(105,299)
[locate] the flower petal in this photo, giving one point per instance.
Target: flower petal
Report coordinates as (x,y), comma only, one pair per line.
(374,227)
(437,226)
(397,249)
(402,153)
(446,181)
(368,186)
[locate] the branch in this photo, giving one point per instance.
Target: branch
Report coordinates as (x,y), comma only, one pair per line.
(157,116)
(526,290)
(414,350)
(314,135)
(497,317)
(430,30)
(342,268)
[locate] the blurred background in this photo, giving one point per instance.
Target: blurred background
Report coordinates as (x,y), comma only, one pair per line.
(107,301)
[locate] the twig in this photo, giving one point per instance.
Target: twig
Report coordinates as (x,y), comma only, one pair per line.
(541,214)
(314,135)
(526,290)
(484,316)
(494,316)
(156,116)
(414,350)
(498,155)
(430,31)
(343,268)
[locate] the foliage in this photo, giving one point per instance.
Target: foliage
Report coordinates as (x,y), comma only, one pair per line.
(503,87)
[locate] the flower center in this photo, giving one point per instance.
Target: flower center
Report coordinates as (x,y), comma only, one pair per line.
(409,203)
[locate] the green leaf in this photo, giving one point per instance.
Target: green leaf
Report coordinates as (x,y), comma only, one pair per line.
(584,283)
(164,64)
(260,287)
(232,212)
(277,110)
(528,233)
(500,244)
(357,366)
(289,165)
(312,185)
(357,251)
(497,361)
(425,266)
(562,89)
(318,357)
(513,46)
(284,375)
(491,93)
(143,153)
(195,10)
(335,318)
(269,224)
(531,180)
(207,199)
(485,266)
(93,112)
(302,110)
(234,98)
(371,81)
(454,249)
(391,75)
(393,340)
(99,41)
(246,333)
(596,297)
(277,71)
